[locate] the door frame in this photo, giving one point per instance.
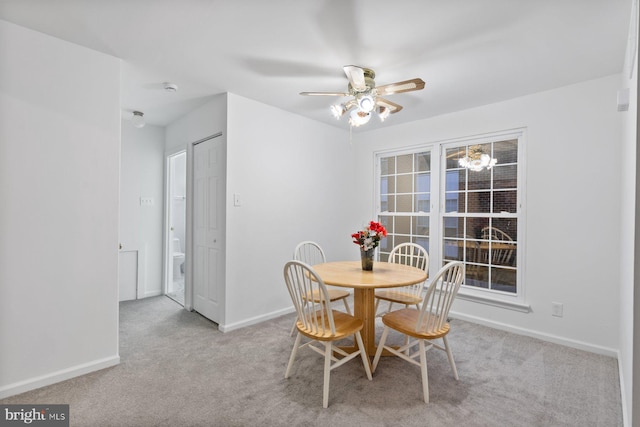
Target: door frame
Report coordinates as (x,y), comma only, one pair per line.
(167,270)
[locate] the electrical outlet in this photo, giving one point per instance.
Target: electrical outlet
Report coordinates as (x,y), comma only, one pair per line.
(556,309)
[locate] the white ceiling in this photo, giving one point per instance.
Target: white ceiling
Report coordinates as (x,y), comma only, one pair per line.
(469,52)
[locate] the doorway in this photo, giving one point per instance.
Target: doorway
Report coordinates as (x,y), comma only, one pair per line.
(175,225)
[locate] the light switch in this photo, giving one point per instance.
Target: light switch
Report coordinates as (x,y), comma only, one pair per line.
(146,201)
(236,199)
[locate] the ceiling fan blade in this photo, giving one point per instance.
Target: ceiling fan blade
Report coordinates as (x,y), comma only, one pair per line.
(399,87)
(324,94)
(356,77)
(456,153)
(392,106)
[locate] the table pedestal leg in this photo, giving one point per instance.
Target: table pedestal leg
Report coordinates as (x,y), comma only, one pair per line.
(364,308)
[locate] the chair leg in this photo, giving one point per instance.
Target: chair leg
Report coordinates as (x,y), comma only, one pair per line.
(327,374)
(423,371)
(293,355)
(375,311)
(450,356)
(383,338)
(406,337)
(293,327)
(346,305)
(363,354)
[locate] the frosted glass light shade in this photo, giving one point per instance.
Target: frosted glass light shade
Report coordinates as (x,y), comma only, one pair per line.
(138,119)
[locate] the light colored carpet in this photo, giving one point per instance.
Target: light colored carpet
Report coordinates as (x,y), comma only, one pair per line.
(177,369)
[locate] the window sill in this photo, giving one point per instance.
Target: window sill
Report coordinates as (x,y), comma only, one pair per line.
(516,306)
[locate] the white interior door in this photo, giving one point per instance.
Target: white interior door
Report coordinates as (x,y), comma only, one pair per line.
(208,227)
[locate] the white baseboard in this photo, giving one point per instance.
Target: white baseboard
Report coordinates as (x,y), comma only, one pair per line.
(254,320)
(580,345)
(56,377)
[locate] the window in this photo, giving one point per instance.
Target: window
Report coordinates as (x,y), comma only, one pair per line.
(426,197)
(480,219)
(405,200)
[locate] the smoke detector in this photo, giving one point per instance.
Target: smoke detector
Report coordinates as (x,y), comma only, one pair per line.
(170,87)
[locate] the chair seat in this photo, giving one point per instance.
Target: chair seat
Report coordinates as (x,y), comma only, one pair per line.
(405,320)
(334,295)
(345,324)
(399,297)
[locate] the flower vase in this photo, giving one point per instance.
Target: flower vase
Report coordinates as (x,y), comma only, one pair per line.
(367,259)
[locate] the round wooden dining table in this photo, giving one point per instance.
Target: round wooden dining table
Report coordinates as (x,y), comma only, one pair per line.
(349,274)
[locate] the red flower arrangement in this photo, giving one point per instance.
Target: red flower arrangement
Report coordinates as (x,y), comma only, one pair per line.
(370,237)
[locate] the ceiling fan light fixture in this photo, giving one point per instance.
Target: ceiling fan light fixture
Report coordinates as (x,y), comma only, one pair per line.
(359,118)
(383,113)
(138,119)
(338,110)
(366,103)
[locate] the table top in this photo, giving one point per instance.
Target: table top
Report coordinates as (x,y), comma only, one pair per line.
(349,274)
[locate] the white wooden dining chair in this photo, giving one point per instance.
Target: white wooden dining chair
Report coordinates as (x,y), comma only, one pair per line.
(428,323)
(320,324)
(407,254)
(311,253)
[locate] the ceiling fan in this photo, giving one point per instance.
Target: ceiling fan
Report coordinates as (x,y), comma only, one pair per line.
(367,97)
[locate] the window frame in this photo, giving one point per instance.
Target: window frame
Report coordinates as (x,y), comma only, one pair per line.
(433,190)
(437,213)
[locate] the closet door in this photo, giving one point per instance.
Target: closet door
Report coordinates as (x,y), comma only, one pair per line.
(208,227)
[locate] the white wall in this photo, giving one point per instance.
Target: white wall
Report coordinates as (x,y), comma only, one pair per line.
(141,175)
(59,167)
(572,208)
(296,182)
(202,122)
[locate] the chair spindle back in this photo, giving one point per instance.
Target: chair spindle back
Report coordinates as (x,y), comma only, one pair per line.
(314,313)
(439,297)
(309,252)
(410,254)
